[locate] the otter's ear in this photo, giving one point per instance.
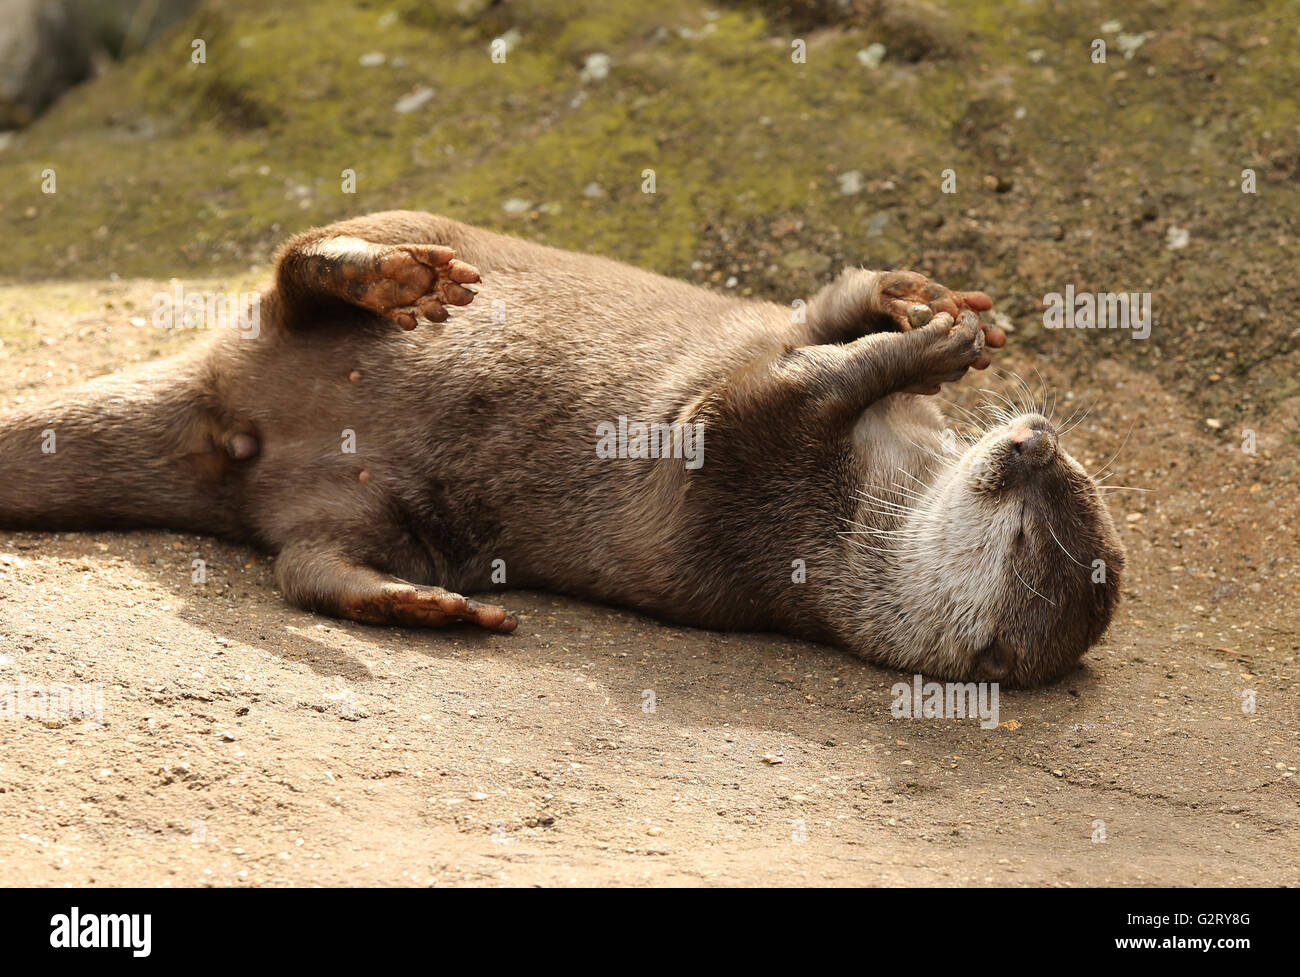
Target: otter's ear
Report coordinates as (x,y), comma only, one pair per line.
(995,661)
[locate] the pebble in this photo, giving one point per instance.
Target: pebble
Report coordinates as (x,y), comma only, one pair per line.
(413,101)
(850,182)
(596,67)
(871,55)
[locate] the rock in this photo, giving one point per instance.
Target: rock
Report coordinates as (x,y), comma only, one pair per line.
(876,223)
(42,54)
(850,182)
(47,46)
(413,101)
(596,67)
(871,55)
(123,26)
(1129,43)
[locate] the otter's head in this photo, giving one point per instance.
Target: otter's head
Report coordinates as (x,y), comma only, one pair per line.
(1012,560)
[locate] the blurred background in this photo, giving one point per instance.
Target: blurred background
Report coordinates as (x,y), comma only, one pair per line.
(770,174)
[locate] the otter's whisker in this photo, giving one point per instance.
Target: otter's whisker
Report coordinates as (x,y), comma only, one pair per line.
(895,505)
(969,415)
(1031,589)
(913,477)
(1001,396)
(877,549)
(1028,403)
(1071,423)
(1000,414)
(1110,461)
(1062,545)
(1046,412)
(903,533)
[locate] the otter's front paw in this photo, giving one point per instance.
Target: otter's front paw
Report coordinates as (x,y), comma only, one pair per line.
(912,300)
(947,349)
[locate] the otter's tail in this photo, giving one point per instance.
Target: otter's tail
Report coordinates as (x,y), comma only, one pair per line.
(144,447)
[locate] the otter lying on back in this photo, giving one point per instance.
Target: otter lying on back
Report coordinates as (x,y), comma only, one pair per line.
(596,430)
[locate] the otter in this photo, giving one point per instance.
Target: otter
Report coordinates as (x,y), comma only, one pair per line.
(394,456)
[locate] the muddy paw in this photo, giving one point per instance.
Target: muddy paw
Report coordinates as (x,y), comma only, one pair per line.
(912,300)
(427,279)
(949,349)
(412,605)
(401,282)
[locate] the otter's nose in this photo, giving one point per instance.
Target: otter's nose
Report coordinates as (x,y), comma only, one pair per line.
(1034,440)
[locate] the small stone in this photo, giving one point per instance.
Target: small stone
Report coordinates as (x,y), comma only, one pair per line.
(413,101)
(596,67)
(1176,238)
(371,59)
(1129,44)
(1213,423)
(876,223)
(850,182)
(871,55)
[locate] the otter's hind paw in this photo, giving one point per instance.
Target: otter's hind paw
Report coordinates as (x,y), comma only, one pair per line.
(399,281)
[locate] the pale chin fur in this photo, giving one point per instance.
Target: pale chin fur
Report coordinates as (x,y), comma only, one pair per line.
(944,566)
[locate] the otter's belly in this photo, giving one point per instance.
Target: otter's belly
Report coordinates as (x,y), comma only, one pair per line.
(901,431)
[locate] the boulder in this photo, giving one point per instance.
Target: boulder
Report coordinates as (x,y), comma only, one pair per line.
(42,53)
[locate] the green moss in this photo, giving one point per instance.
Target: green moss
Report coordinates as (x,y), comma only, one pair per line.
(169,167)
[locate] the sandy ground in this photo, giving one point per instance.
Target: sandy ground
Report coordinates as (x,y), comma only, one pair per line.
(244,742)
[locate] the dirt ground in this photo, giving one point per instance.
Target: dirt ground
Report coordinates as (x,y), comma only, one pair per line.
(243,742)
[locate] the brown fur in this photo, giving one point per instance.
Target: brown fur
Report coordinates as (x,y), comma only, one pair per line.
(476,442)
